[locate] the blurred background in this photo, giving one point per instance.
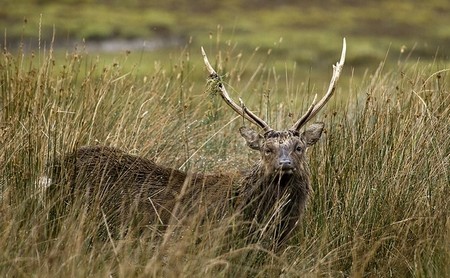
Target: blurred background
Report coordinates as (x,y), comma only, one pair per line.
(305,33)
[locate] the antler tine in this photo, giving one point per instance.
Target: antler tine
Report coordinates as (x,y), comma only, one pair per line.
(241,110)
(315,108)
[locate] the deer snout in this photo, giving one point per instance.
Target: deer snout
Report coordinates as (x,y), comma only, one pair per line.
(285,163)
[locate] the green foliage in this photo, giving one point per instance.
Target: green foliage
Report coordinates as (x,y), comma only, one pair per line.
(296,31)
(380,175)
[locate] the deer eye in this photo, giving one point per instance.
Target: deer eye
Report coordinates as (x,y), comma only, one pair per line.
(267,151)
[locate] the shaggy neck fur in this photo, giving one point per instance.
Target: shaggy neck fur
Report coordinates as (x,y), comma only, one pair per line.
(277,199)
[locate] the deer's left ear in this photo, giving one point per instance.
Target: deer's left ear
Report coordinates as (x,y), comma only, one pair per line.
(253,138)
(312,133)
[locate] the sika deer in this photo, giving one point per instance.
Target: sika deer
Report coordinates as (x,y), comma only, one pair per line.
(271,195)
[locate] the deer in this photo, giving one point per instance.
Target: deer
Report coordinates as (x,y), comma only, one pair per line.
(271,195)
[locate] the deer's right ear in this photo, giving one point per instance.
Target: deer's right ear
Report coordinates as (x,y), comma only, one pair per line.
(253,138)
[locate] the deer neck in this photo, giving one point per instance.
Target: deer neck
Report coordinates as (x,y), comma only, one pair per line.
(257,183)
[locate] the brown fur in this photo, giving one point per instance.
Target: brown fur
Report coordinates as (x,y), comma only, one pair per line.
(123,188)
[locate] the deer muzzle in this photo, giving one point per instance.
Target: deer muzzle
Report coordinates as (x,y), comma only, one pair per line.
(285,164)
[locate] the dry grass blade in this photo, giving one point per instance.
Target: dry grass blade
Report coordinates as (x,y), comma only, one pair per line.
(380,204)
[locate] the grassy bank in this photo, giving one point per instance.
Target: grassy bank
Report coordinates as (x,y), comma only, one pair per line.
(295,32)
(381,173)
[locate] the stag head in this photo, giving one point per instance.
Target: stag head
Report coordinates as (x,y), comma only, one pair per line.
(282,151)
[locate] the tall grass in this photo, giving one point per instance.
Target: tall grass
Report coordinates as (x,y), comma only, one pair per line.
(381,174)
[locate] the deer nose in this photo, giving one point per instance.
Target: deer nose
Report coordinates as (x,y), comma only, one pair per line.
(285,164)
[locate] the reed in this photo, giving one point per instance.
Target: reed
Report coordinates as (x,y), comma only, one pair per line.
(380,175)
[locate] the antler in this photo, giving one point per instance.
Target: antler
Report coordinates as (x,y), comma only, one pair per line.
(315,108)
(242,109)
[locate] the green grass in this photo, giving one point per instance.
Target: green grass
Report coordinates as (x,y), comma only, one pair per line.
(380,175)
(301,32)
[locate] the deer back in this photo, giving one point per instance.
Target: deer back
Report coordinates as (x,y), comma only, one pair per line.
(126,188)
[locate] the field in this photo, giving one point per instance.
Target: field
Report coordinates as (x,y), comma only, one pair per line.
(380,175)
(299,34)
